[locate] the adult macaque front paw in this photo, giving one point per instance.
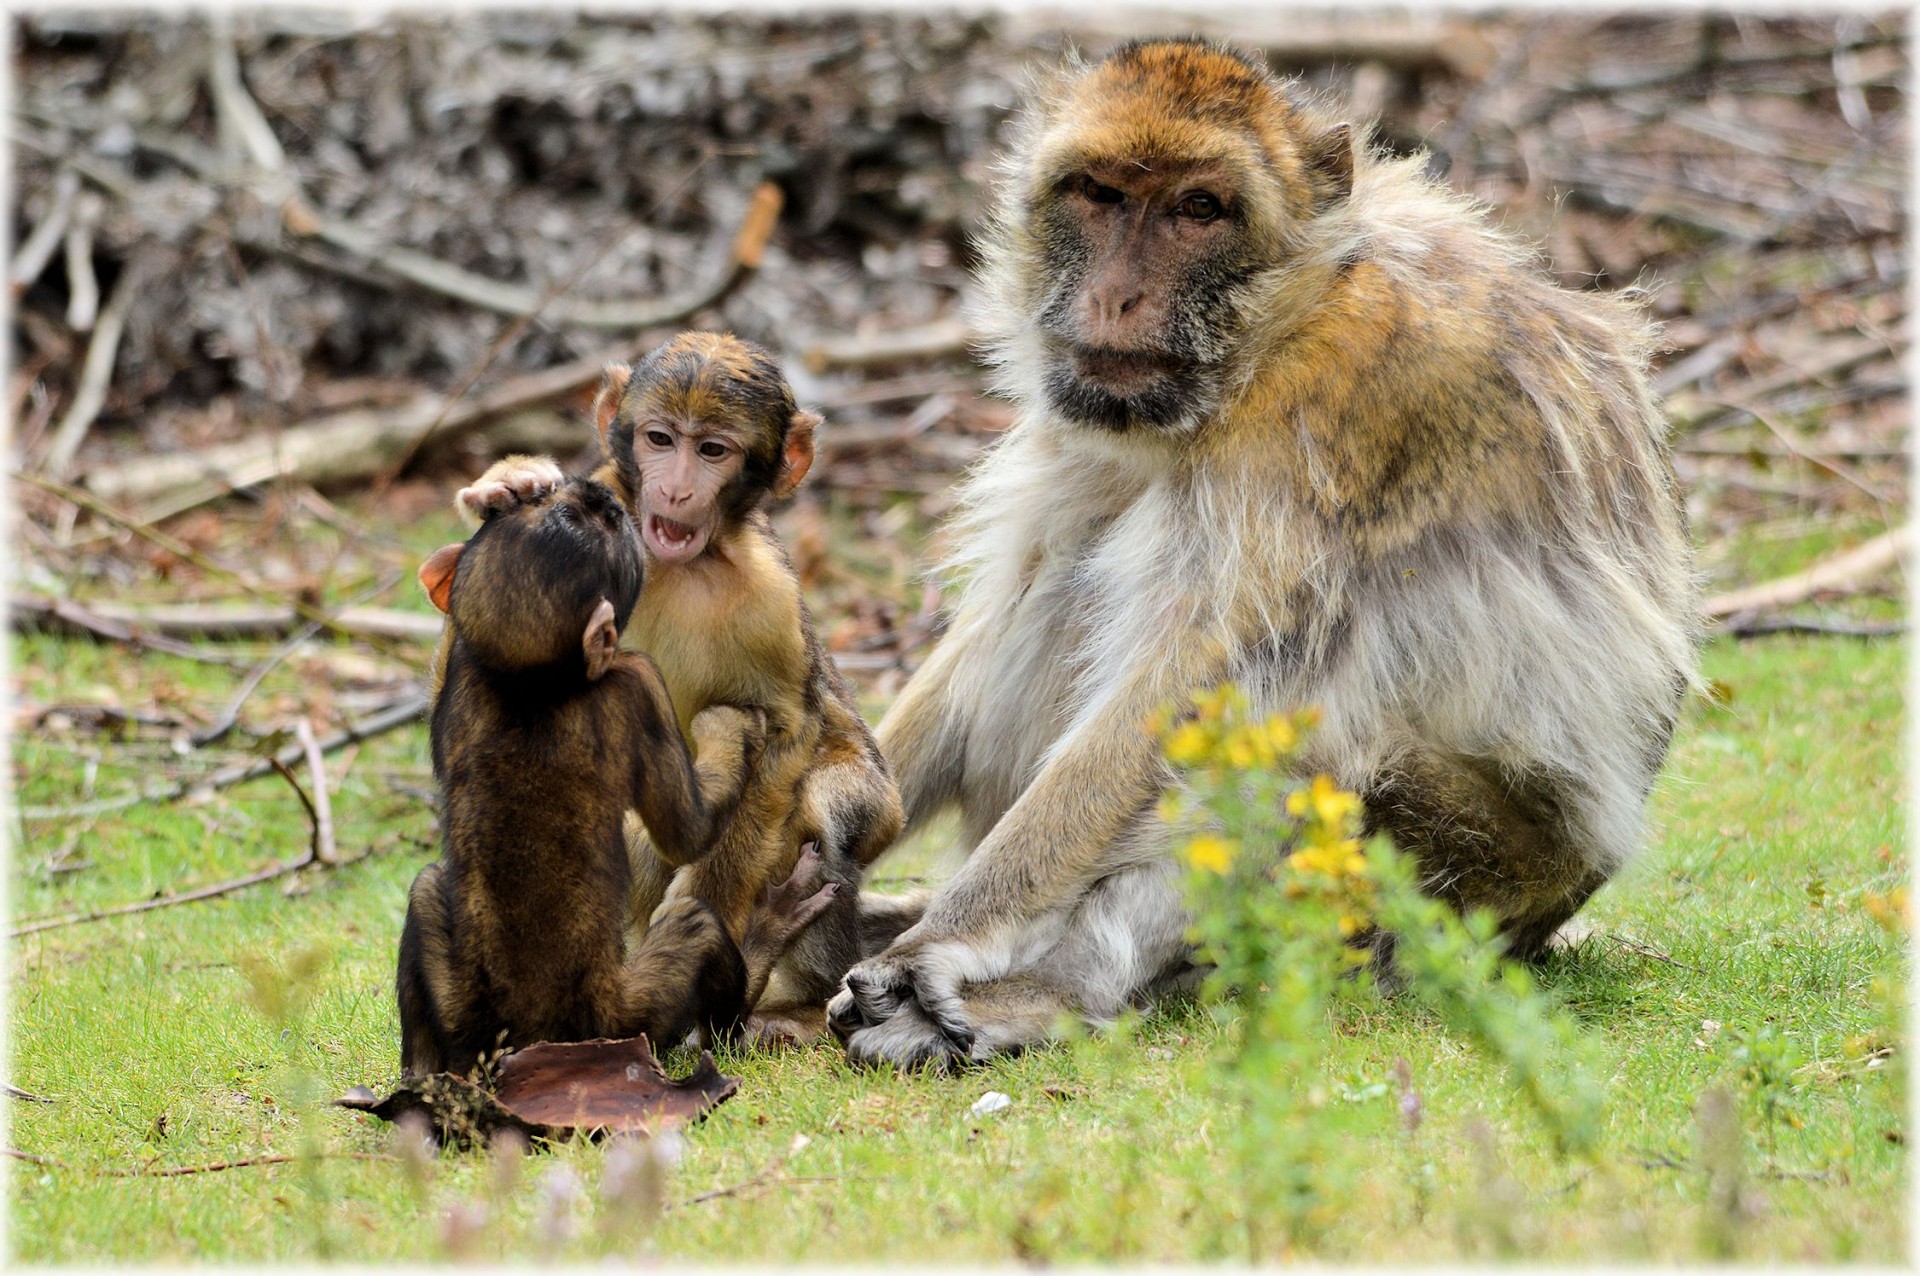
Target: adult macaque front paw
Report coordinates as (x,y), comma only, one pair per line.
(518,480)
(909,1040)
(910,974)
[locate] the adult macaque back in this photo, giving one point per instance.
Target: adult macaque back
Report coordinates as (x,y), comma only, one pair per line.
(1292,415)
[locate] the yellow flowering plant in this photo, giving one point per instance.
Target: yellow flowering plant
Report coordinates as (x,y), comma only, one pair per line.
(1287,902)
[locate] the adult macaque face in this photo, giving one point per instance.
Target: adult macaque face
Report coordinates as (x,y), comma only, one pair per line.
(687,472)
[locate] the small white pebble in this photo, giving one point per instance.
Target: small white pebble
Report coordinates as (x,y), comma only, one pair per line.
(989,1103)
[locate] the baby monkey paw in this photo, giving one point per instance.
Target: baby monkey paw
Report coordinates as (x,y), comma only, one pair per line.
(518,480)
(789,908)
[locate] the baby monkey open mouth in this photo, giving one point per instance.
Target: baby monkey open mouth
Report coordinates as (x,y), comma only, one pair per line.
(671,541)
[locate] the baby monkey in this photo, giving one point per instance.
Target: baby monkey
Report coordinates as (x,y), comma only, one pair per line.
(544,733)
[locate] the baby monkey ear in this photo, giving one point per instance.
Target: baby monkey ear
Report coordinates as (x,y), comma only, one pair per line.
(437,573)
(606,404)
(797,458)
(601,642)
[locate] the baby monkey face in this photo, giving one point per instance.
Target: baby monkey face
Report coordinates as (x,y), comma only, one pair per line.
(541,584)
(702,432)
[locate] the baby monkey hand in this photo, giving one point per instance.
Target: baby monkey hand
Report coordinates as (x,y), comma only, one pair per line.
(509,482)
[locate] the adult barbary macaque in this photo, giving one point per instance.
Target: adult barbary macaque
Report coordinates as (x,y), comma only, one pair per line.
(544,734)
(1295,416)
(698,438)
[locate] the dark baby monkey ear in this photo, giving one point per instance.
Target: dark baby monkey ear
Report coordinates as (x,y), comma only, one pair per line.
(437,573)
(797,458)
(601,642)
(606,404)
(1331,155)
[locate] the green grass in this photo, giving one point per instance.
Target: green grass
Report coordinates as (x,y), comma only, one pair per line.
(1780,822)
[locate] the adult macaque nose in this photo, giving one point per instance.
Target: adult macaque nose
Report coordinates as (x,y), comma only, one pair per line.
(1108,308)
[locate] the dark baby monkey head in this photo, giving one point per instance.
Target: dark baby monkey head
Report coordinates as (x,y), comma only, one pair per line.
(702,432)
(543,586)
(1158,193)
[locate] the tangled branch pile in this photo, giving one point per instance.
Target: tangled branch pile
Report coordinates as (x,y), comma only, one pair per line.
(224,230)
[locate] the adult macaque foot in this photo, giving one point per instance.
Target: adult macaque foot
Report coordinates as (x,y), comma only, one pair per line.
(519,480)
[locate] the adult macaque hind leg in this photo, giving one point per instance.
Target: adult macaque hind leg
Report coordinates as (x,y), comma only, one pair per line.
(1484,839)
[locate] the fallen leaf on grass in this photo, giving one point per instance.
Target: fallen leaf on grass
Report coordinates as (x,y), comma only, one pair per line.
(550,1091)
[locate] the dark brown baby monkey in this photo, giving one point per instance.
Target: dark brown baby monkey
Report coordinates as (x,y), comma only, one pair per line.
(544,733)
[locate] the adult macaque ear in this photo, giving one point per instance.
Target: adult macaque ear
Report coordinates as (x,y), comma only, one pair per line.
(437,573)
(1331,156)
(606,404)
(797,458)
(601,642)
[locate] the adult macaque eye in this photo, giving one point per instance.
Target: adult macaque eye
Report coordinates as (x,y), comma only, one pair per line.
(1100,194)
(713,451)
(1199,205)
(659,438)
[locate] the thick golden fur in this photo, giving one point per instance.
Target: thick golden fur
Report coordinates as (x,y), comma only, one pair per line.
(1420,486)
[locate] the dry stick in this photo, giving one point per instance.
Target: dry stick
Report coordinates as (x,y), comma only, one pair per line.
(182,550)
(218,620)
(96,373)
(220,726)
(34,255)
(174,1171)
(1793,445)
(1765,626)
(83,286)
(1844,572)
(321,807)
(394,716)
(26,607)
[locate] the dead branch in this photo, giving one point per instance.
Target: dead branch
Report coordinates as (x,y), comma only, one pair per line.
(152,624)
(96,373)
(320,808)
(1843,573)
(338,447)
(181,550)
(83,286)
(396,715)
(173,1171)
(29,612)
(1751,626)
(39,247)
(940,340)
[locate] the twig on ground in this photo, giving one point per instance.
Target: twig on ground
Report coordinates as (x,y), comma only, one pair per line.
(157,624)
(15,1092)
(27,612)
(181,549)
(175,1171)
(321,807)
(1756,626)
(1846,572)
(83,286)
(396,715)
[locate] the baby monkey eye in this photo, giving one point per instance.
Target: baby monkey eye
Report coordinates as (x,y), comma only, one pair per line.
(1201,206)
(659,438)
(1099,194)
(713,451)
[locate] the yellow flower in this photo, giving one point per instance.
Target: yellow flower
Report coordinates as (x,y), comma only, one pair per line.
(1211,852)
(1325,801)
(1282,734)
(1189,745)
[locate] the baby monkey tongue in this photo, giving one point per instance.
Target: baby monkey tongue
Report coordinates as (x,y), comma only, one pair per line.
(672,541)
